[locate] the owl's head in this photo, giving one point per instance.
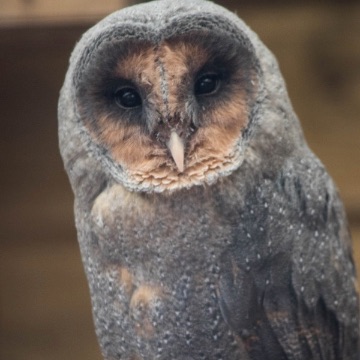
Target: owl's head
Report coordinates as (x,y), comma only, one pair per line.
(165,95)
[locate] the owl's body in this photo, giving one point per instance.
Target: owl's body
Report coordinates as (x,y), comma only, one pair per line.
(207,227)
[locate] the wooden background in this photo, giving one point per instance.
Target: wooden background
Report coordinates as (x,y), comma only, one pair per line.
(44,303)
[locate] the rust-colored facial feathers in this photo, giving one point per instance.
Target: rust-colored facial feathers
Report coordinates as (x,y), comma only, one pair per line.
(179,138)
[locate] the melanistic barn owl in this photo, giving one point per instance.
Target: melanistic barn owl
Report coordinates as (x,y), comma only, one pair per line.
(207,228)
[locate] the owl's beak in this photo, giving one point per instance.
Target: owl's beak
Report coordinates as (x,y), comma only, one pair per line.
(176,147)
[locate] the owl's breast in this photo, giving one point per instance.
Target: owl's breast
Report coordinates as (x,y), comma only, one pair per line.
(157,274)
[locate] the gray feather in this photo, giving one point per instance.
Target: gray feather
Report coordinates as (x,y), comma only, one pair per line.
(253,263)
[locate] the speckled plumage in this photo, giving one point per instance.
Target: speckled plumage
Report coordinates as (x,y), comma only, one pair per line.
(245,257)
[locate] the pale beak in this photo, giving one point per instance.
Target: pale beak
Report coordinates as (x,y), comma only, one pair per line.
(176,147)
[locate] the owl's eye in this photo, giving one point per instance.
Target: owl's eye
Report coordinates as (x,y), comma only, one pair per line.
(207,84)
(127,98)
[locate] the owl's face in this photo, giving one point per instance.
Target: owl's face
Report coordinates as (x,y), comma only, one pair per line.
(169,111)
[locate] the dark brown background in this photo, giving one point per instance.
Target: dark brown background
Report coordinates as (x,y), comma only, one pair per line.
(44,304)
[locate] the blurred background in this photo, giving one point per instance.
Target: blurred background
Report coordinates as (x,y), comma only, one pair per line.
(44,302)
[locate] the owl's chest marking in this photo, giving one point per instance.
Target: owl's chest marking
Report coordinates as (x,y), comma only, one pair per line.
(139,302)
(144,303)
(117,208)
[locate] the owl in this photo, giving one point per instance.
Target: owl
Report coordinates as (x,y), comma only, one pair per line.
(207,228)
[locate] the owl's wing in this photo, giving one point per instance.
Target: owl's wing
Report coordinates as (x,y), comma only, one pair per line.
(291,306)
(276,323)
(242,308)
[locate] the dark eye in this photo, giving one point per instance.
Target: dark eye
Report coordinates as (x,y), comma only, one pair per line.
(207,84)
(127,97)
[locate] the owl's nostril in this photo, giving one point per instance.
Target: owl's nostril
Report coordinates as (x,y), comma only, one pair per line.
(192,127)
